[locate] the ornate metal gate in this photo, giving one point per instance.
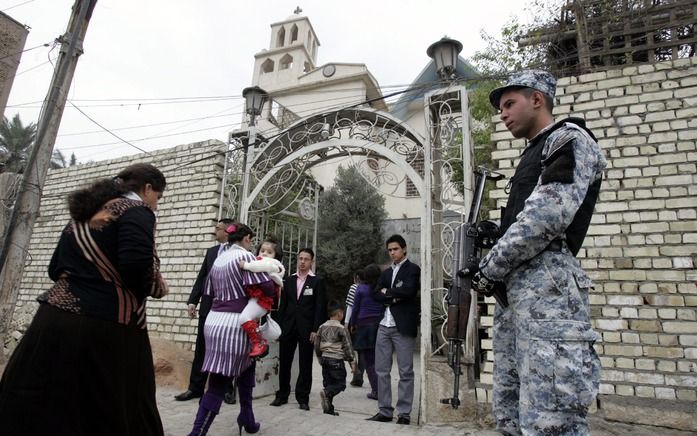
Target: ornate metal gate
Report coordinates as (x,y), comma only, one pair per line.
(388,152)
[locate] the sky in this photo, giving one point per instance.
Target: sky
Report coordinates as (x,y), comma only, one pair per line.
(160,73)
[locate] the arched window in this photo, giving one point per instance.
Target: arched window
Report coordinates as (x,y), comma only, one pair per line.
(309,40)
(286,62)
(267,66)
(281,37)
(294,33)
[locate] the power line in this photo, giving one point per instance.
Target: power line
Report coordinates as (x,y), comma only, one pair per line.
(341,105)
(200,97)
(228,125)
(209,117)
(239,96)
(24,51)
(107,130)
(78,147)
(142,126)
(32,68)
(25,105)
(154,103)
(314,117)
(195,122)
(17,5)
(177,100)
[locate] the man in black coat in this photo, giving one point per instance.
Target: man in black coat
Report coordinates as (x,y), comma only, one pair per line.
(197,380)
(398,288)
(302,309)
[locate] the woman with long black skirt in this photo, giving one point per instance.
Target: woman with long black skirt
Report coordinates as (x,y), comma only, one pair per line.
(84,367)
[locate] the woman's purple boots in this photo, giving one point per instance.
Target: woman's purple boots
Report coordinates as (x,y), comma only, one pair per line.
(245,384)
(207,410)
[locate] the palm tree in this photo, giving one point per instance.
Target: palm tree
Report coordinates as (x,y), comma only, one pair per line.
(58,160)
(16,141)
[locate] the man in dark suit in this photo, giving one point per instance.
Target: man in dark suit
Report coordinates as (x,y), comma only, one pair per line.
(197,380)
(303,308)
(398,288)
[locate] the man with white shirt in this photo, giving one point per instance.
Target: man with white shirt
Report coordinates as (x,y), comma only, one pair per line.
(398,288)
(302,309)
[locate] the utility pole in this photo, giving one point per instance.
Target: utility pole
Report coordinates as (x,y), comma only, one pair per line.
(15,243)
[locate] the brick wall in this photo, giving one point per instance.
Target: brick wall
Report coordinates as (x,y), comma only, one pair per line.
(185,217)
(641,248)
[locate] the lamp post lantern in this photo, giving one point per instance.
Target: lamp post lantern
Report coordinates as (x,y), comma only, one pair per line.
(444,52)
(255,98)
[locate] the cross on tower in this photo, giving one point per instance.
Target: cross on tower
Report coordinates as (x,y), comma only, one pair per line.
(297,11)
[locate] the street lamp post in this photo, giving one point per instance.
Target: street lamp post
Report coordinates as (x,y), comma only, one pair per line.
(255,97)
(444,52)
(440,104)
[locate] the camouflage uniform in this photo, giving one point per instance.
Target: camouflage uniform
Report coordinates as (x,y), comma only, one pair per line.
(546,371)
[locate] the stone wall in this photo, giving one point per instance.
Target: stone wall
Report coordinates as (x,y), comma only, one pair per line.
(13,35)
(185,218)
(641,248)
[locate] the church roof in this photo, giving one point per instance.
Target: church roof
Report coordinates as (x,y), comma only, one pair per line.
(428,80)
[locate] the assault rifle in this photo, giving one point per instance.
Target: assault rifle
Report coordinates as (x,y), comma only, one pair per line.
(470,238)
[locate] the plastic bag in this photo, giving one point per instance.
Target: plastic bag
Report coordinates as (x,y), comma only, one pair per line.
(270,330)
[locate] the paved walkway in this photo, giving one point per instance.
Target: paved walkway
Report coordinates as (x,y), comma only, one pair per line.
(352,405)
(353,408)
(289,420)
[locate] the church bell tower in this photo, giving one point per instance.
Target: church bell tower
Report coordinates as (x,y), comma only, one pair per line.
(292,52)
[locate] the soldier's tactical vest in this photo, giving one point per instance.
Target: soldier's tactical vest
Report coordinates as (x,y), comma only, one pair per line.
(525,179)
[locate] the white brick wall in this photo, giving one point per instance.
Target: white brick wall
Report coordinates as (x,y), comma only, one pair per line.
(641,248)
(185,217)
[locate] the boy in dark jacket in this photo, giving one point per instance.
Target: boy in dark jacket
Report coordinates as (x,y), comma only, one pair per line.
(333,346)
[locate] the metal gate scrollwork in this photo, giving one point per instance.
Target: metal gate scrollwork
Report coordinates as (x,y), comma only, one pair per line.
(388,153)
(448,127)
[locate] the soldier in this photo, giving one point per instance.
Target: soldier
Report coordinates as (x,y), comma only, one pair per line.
(546,371)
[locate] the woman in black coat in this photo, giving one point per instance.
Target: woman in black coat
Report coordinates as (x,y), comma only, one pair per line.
(84,366)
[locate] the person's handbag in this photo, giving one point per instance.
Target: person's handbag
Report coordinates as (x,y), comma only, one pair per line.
(270,330)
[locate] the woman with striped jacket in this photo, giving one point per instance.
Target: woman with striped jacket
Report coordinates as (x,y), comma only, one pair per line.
(227,343)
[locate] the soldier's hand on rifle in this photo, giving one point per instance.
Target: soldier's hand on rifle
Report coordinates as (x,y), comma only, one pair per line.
(484,285)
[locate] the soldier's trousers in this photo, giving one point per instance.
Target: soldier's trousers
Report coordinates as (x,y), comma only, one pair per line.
(546,372)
